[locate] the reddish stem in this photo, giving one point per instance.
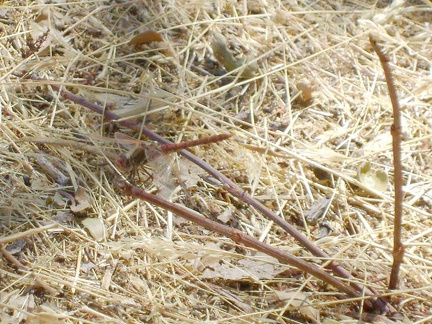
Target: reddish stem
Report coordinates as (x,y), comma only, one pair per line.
(396,131)
(236,236)
(378,303)
(175,147)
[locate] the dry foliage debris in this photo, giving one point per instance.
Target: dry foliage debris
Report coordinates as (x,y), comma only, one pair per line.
(301,90)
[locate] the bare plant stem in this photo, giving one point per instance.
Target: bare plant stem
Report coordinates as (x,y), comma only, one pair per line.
(377,302)
(396,131)
(236,236)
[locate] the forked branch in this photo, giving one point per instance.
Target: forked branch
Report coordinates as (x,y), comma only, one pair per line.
(377,302)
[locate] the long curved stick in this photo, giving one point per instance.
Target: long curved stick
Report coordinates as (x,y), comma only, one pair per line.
(378,303)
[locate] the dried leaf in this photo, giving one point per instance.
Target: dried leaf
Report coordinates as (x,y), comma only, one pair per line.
(226,216)
(145,38)
(42,16)
(16,246)
(87,266)
(189,174)
(146,103)
(377,180)
(305,96)
(95,227)
(63,217)
(299,301)
(265,268)
(316,210)
(82,200)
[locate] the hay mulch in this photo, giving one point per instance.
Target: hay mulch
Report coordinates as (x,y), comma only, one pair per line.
(307,106)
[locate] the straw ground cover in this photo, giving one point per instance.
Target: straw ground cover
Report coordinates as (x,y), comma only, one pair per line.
(307,108)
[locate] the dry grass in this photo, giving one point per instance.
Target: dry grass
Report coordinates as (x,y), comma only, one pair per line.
(152,267)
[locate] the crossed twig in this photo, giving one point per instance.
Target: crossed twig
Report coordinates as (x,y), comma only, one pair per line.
(367,296)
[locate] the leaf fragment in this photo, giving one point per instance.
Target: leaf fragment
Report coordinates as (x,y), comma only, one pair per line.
(81,200)
(375,179)
(145,38)
(262,267)
(95,227)
(305,96)
(301,302)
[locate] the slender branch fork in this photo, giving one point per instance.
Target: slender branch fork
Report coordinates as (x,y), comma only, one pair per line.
(368,296)
(396,131)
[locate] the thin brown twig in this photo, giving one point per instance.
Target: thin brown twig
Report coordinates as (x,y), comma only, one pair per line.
(39,283)
(378,303)
(396,131)
(235,235)
(9,256)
